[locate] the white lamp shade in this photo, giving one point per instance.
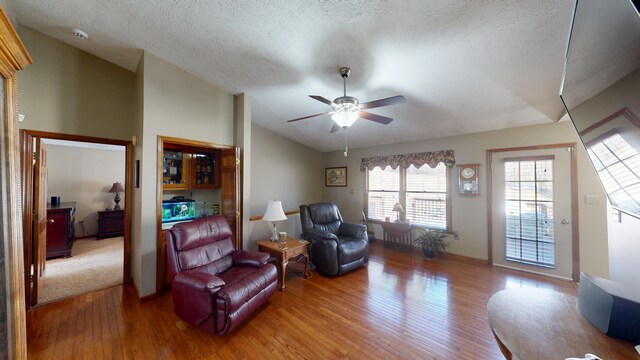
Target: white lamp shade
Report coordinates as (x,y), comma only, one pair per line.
(397,207)
(345,118)
(274,211)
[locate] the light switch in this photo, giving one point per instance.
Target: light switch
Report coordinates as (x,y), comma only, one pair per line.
(351,191)
(616,215)
(592,199)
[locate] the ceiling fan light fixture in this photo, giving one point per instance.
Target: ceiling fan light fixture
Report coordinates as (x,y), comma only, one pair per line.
(345,118)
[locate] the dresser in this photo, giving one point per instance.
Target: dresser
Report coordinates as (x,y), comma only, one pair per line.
(110,223)
(60,229)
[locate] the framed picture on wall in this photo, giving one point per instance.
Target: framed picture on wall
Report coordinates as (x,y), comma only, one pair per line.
(335,176)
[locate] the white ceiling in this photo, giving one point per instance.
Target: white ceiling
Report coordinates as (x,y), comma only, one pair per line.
(464,66)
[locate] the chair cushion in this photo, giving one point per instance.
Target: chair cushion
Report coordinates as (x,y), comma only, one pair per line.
(243,283)
(199,232)
(215,257)
(324,213)
(332,227)
(351,249)
(203,242)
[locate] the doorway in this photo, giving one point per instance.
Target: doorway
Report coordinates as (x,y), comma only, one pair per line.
(79,175)
(533,209)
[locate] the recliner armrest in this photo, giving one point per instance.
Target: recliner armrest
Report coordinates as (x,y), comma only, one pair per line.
(317,234)
(353,230)
(249,258)
(199,281)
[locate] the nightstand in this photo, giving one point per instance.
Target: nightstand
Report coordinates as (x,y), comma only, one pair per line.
(110,223)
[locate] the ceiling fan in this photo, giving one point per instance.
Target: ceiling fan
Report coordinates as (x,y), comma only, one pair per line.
(347,109)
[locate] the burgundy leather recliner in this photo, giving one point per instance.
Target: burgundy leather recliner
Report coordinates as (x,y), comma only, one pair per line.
(214,286)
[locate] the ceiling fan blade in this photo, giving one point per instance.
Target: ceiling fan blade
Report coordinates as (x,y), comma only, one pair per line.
(321,99)
(376,118)
(335,127)
(398,99)
(306,117)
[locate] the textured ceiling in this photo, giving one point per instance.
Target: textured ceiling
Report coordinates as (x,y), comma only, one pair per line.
(464,66)
(596,32)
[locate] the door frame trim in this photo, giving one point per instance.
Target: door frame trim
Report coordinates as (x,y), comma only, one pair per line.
(128,196)
(161,251)
(13,58)
(575,228)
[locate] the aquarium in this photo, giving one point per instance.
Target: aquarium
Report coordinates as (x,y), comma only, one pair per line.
(178,210)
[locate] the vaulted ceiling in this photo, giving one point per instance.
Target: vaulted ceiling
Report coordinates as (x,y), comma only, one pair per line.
(464,66)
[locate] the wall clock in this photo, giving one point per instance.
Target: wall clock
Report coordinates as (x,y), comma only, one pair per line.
(468,179)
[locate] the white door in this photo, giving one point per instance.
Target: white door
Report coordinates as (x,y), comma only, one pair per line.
(531,211)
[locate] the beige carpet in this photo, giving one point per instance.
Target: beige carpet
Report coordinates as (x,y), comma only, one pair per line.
(93,265)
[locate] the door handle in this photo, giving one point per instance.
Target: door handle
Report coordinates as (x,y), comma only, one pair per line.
(564,221)
(50,221)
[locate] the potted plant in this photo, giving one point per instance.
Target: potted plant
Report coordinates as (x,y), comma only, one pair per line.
(431,241)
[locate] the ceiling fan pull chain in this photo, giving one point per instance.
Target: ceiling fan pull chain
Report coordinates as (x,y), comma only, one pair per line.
(346,147)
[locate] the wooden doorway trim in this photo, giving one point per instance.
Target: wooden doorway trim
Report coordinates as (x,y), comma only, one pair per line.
(128,199)
(161,251)
(13,58)
(575,228)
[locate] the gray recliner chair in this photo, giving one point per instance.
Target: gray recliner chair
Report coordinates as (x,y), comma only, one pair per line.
(336,247)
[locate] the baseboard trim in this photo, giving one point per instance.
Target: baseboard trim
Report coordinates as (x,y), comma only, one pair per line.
(455,257)
(85,237)
(533,272)
(465,259)
(144,298)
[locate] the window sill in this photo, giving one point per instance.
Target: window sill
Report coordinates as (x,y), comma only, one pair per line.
(379,222)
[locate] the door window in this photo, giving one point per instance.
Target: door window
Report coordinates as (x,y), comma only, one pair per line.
(529,236)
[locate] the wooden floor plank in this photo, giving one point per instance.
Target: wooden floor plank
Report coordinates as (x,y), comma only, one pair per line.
(400,306)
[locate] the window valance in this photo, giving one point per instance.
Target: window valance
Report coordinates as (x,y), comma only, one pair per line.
(432,158)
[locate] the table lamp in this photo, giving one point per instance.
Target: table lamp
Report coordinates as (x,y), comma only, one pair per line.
(116,188)
(397,207)
(274,214)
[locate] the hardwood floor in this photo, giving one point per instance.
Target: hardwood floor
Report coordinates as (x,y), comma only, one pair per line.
(400,306)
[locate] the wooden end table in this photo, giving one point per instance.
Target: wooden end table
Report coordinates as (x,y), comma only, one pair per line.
(285,251)
(539,324)
(397,235)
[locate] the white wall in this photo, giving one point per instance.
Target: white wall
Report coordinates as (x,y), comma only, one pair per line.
(281,170)
(470,213)
(242,118)
(623,250)
(137,205)
(177,104)
(85,175)
(69,91)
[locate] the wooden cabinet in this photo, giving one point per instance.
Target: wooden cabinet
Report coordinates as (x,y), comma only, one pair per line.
(190,169)
(60,230)
(175,169)
(110,223)
(162,282)
(204,170)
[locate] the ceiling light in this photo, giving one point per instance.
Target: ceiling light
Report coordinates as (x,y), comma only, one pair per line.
(345,111)
(80,34)
(345,118)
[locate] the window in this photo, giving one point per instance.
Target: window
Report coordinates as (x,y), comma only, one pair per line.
(529,206)
(423,193)
(618,165)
